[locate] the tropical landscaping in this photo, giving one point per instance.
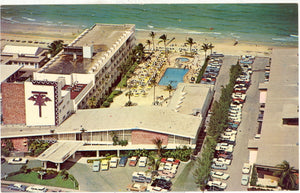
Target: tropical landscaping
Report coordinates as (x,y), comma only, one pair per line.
(44,177)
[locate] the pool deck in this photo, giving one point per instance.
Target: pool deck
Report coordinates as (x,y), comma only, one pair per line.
(161,94)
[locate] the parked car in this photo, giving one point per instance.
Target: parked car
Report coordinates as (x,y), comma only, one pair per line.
(123,161)
(141,177)
(222,161)
(18,160)
(36,189)
(245,180)
(113,162)
(226,156)
(246,168)
(219,166)
(162,183)
(136,187)
(217,184)
(142,161)
(168,166)
(96,166)
(104,165)
(18,187)
(133,160)
(219,175)
(3,160)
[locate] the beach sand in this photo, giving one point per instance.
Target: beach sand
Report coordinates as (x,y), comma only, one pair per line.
(25,32)
(49,33)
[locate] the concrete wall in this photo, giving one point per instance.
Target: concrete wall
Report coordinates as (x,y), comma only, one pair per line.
(13,103)
(146,137)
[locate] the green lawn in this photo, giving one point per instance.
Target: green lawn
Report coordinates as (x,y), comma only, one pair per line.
(33,177)
(185,181)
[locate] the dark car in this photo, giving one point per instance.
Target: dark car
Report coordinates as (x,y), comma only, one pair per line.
(123,161)
(2,160)
(162,183)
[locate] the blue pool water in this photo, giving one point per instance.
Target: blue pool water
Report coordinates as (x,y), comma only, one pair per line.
(183,59)
(173,76)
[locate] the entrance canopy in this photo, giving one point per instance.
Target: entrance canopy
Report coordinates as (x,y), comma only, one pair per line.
(60,151)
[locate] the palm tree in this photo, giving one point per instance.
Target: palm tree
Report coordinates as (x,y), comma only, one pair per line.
(164,39)
(190,41)
(287,176)
(205,48)
(153,83)
(55,47)
(158,142)
(210,46)
(170,89)
(152,35)
(129,94)
(92,102)
(148,42)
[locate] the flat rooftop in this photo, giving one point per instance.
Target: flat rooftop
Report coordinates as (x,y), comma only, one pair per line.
(190,96)
(101,37)
(156,119)
(7,70)
(75,90)
(279,141)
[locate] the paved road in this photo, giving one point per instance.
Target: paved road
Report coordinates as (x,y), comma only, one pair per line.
(247,128)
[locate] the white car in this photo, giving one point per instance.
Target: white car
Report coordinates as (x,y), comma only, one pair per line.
(18,160)
(231,130)
(219,175)
(96,166)
(36,189)
(142,161)
(245,180)
(113,162)
(228,138)
(218,184)
(222,161)
(228,148)
(246,168)
(168,166)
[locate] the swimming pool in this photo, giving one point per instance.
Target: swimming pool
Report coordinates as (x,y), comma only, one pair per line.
(173,76)
(182,59)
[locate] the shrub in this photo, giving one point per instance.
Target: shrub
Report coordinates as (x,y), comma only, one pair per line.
(64,174)
(106,104)
(117,92)
(123,142)
(253,180)
(110,100)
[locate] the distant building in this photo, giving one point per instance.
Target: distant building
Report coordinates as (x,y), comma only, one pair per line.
(25,56)
(86,68)
(278,138)
(98,51)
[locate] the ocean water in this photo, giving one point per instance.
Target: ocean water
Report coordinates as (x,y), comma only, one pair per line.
(267,23)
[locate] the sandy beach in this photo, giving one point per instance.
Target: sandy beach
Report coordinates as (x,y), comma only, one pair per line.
(49,33)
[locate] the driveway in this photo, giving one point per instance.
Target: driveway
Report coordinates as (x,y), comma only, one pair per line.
(247,128)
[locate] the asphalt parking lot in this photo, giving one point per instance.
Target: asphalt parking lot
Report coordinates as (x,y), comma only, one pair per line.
(247,128)
(113,180)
